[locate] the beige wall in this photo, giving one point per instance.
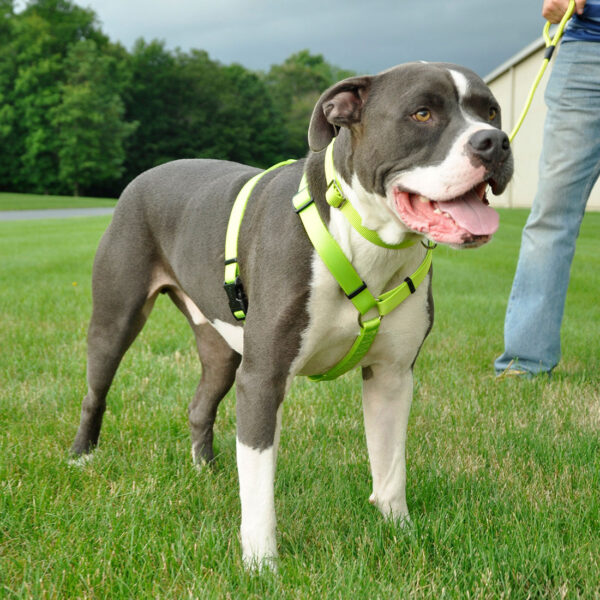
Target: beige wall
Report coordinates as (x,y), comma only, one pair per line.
(511,88)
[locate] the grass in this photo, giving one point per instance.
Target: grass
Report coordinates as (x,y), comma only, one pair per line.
(12,201)
(503,477)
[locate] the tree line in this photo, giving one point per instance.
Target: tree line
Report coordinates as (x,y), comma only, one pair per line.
(80,114)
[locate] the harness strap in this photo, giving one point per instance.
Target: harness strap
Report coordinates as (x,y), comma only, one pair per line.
(351,283)
(233,284)
(330,252)
(332,255)
(335,197)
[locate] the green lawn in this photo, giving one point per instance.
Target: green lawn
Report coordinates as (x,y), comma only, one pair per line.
(503,477)
(10,201)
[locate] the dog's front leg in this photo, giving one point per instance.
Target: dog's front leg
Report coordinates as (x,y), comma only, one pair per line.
(387,396)
(258,427)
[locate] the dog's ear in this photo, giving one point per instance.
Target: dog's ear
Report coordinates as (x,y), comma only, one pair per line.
(339,106)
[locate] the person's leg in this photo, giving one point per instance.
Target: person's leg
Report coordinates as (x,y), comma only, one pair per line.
(569,166)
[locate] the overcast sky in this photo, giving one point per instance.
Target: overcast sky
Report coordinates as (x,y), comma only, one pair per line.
(366,36)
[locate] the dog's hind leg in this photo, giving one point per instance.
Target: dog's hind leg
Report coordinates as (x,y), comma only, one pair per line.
(121,305)
(219,365)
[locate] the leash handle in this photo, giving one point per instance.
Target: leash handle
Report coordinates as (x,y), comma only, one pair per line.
(551,44)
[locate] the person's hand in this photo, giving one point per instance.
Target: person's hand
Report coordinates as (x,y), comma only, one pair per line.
(554,10)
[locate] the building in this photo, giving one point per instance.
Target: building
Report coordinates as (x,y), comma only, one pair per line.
(510,83)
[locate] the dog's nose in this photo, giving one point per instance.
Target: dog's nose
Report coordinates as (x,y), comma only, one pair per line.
(490,146)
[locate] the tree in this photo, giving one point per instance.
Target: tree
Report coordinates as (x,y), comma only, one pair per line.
(188,105)
(70,101)
(41,37)
(203,90)
(88,121)
(8,137)
(295,87)
(250,127)
(35,92)
(152,99)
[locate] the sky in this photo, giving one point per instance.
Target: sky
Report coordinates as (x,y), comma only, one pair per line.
(365,36)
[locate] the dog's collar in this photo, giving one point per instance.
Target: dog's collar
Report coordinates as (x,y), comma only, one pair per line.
(335,198)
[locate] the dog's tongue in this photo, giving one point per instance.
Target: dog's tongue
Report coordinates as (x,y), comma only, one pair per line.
(472,214)
(455,221)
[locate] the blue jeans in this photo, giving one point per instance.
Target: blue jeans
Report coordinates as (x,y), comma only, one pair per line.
(569,166)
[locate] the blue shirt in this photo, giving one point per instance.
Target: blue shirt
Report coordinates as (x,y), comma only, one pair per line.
(585,27)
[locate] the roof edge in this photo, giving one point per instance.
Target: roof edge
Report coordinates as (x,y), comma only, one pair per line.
(515,60)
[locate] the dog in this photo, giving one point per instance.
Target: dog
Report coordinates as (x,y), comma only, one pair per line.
(416,147)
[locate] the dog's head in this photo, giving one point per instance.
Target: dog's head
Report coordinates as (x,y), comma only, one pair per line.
(425,138)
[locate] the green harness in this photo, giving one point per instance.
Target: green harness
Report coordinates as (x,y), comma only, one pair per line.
(332,255)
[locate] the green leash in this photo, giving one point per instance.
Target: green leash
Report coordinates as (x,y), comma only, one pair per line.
(334,258)
(550,47)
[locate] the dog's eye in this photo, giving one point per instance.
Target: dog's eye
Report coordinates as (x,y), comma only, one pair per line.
(493,113)
(422,115)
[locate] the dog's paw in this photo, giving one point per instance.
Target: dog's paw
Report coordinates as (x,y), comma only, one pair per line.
(259,551)
(395,511)
(202,457)
(80,461)
(254,564)
(404,521)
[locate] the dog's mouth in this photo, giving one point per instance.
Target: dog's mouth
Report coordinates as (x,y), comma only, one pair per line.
(467,220)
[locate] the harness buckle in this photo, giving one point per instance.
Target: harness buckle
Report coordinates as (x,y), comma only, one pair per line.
(357,291)
(304,205)
(238,301)
(410,284)
(370,322)
(334,194)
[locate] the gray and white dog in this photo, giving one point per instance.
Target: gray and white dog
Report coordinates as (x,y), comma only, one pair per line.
(416,148)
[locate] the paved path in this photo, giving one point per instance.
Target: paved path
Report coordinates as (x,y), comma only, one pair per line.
(53,213)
